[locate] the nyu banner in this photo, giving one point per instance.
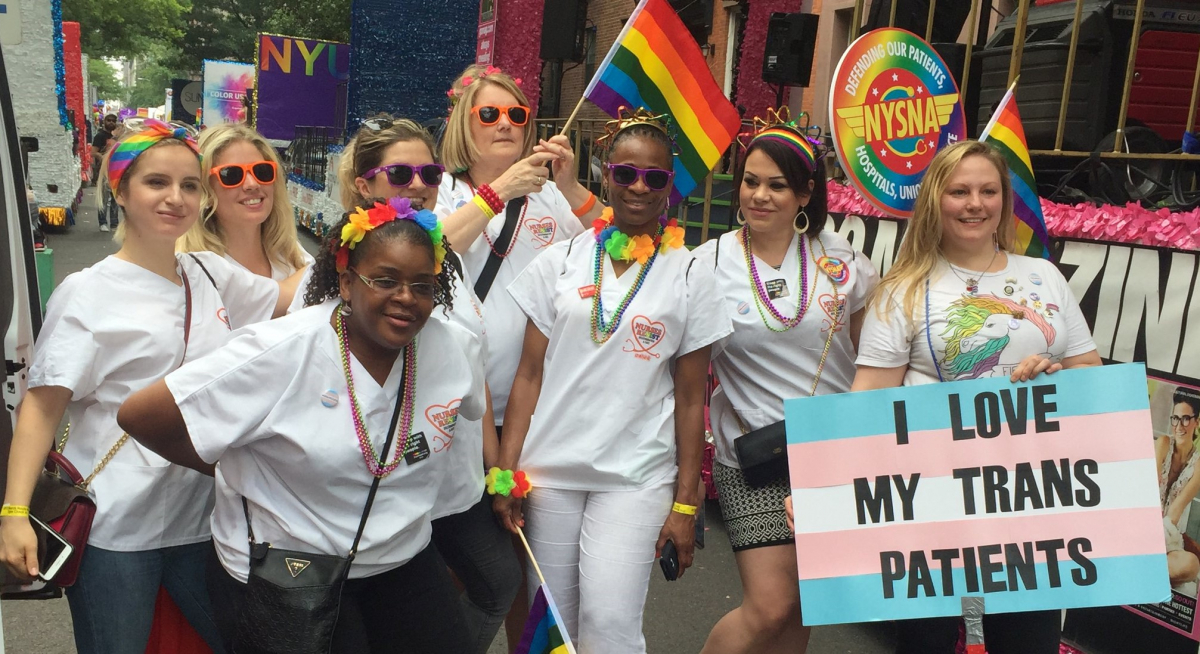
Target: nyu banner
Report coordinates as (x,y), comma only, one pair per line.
(299,82)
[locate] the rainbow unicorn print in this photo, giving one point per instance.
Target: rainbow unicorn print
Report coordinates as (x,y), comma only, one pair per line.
(979,330)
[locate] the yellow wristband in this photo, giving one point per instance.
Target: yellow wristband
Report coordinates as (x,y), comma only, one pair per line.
(483,206)
(13,510)
(685,509)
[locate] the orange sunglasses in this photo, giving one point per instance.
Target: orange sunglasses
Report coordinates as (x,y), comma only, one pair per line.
(233,175)
(489,114)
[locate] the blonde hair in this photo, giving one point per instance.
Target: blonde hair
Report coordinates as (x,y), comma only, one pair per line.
(102,182)
(278,231)
(365,151)
(922,244)
(458,148)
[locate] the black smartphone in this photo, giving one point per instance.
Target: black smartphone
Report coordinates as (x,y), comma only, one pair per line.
(668,559)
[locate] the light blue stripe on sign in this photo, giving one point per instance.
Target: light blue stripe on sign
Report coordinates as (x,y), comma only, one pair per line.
(1078,392)
(1121,580)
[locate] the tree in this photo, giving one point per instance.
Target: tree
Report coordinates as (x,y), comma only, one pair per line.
(104,78)
(126,28)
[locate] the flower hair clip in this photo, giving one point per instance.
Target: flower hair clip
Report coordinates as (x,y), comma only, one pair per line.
(640,116)
(456,91)
(363,220)
(780,127)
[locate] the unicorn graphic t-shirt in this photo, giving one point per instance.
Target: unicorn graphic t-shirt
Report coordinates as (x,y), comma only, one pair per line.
(977,324)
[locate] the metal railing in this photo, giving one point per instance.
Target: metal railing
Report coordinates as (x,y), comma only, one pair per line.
(308,155)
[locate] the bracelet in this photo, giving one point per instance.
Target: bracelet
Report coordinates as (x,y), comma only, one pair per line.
(586,206)
(507,483)
(483,206)
(13,510)
(491,197)
(685,509)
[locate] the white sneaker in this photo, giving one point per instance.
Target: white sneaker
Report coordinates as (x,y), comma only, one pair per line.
(104,227)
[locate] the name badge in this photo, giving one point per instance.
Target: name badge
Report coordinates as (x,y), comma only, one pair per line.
(586,292)
(417,450)
(776,288)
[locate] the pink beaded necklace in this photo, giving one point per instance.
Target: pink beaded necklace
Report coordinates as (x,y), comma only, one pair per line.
(374,461)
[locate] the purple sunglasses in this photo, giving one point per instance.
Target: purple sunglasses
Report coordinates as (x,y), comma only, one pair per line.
(401,175)
(656,179)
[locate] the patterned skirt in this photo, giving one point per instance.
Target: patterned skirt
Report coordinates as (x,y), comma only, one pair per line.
(753,516)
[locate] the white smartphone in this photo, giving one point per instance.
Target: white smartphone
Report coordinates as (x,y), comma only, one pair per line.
(53,550)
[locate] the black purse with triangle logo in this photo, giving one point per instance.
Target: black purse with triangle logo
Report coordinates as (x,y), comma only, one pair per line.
(293,598)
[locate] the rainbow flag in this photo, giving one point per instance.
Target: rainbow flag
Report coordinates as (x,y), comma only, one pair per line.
(543,633)
(1004,131)
(655,63)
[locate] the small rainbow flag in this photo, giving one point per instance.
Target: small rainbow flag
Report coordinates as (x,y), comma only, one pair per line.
(1004,131)
(655,63)
(543,631)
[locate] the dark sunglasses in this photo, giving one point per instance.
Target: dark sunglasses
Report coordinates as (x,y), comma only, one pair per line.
(656,179)
(490,114)
(401,175)
(232,175)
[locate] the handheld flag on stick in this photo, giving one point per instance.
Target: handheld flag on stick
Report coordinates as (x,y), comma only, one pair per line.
(544,632)
(1004,131)
(656,64)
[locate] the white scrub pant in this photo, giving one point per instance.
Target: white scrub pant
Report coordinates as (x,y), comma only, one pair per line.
(596,550)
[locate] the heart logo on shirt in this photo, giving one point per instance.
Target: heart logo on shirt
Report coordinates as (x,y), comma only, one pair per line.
(443,417)
(834,307)
(646,335)
(542,230)
(223,316)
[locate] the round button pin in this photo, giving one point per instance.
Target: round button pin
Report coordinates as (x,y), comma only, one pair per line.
(329,398)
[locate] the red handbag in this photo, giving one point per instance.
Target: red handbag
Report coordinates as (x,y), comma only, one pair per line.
(60,499)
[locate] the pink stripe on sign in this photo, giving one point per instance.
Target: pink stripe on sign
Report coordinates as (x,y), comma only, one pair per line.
(856,551)
(1108,437)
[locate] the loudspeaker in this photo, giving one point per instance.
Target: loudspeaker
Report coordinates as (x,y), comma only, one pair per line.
(562,30)
(913,15)
(791,39)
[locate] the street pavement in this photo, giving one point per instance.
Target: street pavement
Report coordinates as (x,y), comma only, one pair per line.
(678,616)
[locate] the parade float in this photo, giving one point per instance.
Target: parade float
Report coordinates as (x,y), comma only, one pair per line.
(54,154)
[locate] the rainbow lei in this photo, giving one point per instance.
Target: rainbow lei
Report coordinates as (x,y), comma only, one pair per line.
(361,221)
(132,147)
(622,247)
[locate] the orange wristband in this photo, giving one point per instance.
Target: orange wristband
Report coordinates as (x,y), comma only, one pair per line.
(586,206)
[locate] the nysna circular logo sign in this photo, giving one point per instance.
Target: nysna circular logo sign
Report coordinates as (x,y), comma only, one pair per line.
(892,106)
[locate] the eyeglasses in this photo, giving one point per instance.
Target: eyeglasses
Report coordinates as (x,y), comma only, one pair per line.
(232,175)
(392,286)
(401,175)
(489,114)
(1181,420)
(656,179)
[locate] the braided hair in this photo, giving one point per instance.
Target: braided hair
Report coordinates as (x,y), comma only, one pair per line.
(324,283)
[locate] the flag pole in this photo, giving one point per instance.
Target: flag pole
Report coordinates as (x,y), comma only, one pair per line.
(521,533)
(571,118)
(987,129)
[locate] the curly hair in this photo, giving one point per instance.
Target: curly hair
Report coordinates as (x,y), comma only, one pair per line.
(324,285)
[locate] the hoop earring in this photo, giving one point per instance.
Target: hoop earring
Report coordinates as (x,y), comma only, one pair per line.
(741,220)
(344,309)
(806,222)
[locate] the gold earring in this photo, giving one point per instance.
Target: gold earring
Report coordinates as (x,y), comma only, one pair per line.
(801,230)
(741,220)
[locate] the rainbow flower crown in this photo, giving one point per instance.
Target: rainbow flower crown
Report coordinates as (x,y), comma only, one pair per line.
(780,127)
(456,90)
(363,220)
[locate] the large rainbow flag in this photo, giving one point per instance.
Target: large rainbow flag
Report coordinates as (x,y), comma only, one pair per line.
(543,629)
(1004,131)
(655,63)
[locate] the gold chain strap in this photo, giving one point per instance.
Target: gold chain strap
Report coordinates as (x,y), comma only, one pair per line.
(62,444)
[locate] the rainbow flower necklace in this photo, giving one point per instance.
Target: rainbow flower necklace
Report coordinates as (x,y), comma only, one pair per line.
(762,298)
(621,247)
(375,464)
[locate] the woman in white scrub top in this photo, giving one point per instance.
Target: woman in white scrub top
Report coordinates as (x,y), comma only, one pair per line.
(607,410)
(785,309)
(110,330)
(393,157)
(954,281)
(247,216)
(285,396)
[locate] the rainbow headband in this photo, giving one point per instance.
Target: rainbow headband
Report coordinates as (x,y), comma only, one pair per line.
(153,131)
(790,138)
(360,221)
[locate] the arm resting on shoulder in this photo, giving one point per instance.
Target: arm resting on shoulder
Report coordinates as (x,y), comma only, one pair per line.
(151,417)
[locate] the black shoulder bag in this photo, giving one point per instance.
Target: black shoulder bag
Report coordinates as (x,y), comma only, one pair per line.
(507,233)
(293,598)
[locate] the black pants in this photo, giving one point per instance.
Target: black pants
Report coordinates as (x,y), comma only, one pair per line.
(412,609)
(480,553)
(1033,632)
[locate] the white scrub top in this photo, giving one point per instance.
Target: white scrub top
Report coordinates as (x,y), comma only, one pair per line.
(258,409)
(759,368)
(279,271)
(546,220)
(113,329)
(605,416)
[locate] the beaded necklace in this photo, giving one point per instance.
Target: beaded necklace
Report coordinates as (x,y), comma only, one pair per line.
(602,330)
(761,298)
(375,464)
(513,242)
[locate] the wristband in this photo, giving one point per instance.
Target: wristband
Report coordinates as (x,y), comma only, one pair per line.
(509,483)
(13,510)
(491,197)
(586,206)
(685,509)
(483,206)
